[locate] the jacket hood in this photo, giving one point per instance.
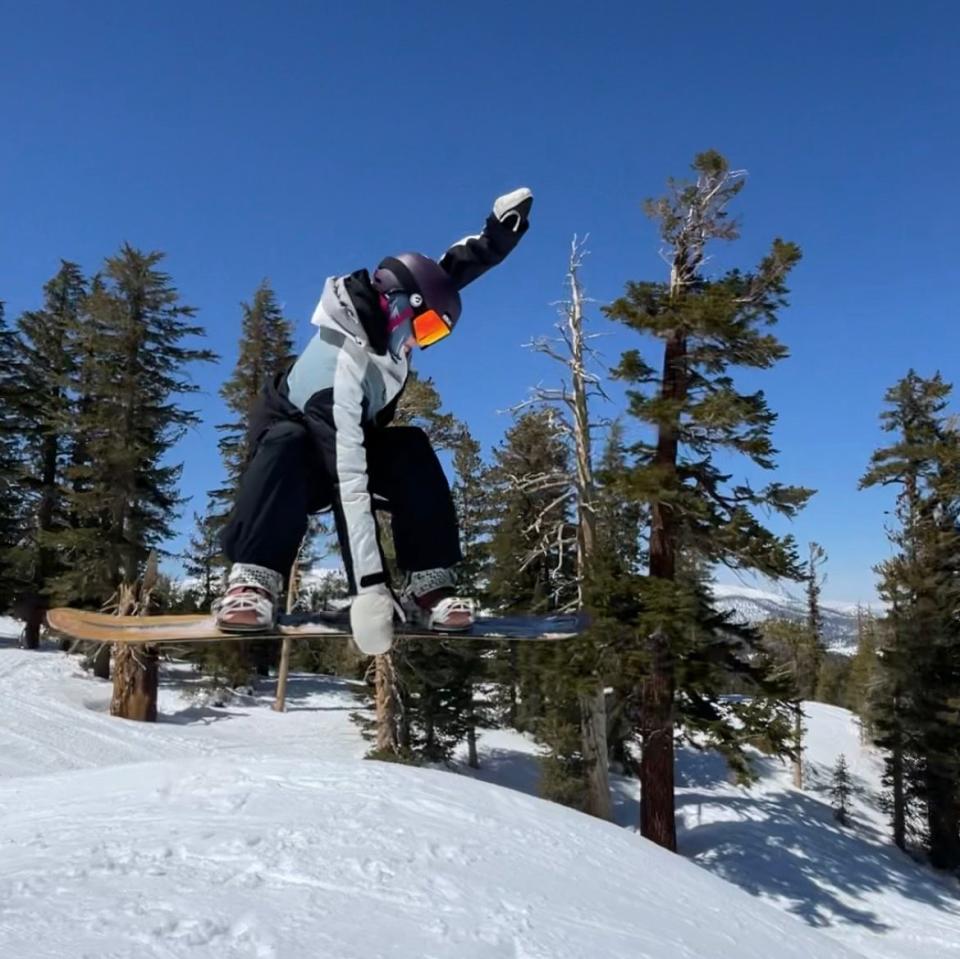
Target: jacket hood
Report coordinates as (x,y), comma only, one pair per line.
(351,305)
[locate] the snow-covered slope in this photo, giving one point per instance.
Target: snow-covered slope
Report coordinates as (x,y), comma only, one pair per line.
(756,606)
(243,832)
(246,856)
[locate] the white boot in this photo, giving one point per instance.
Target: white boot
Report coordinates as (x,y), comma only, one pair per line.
(250,603)
(430,600)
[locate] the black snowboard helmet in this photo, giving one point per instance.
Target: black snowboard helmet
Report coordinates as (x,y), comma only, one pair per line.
(428,285)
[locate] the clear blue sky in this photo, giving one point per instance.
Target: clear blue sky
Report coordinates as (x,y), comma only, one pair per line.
(297,140)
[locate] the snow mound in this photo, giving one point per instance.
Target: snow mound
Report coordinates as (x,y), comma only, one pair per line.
(252,857)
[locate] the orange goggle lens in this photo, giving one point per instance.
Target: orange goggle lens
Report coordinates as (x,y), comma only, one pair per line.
(429,328)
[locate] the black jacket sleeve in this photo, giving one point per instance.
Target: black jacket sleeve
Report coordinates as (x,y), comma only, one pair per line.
(472,256)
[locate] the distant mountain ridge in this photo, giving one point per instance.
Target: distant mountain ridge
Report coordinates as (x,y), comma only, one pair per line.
(756,606)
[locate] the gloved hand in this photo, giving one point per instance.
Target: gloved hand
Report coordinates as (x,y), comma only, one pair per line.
(513,209)
(371,619)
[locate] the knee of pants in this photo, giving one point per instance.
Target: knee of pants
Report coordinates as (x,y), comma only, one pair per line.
(409,438)
(284,439)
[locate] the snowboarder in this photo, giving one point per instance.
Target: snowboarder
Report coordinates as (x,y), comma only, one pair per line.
(319,441)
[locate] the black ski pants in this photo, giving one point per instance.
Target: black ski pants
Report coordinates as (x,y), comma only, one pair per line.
(285,481)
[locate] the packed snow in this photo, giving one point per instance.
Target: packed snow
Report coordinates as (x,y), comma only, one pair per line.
(242,832)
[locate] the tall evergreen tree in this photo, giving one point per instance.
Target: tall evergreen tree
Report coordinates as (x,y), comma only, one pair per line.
(11,459)
(471,496)
(265,349)
(533,568)
(44,366)
(616,570)
(840,790)
(200,561)
(793,650)
(863,669)
(816,557)
(132,368)
(533,544)
(916,710)
(708,327)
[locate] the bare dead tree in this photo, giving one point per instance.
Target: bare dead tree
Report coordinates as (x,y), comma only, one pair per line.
(571,348)
(135,668)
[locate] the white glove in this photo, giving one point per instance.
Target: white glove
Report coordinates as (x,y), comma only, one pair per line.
(513,209)
(371,619)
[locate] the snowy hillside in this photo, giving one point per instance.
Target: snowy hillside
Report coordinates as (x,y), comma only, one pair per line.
(242,832)
(756,606)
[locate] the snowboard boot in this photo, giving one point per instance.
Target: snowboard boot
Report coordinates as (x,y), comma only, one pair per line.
(429,599)
(251,601)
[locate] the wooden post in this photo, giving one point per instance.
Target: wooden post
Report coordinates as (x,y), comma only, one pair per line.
(386,705)
(280,703)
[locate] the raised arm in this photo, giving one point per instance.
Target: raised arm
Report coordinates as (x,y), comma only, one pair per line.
(474,255)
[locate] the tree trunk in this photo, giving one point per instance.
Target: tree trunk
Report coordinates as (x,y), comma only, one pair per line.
(899,799)
(101,661)
(798,739)
(657,814)
(44,564)
(280,703)
(657,820)
(593,732)
(473,760)
(943,805)
(136,669)
(592,703)
(293,587)
(512,701)
(31,628)
(135,677)
(386,705)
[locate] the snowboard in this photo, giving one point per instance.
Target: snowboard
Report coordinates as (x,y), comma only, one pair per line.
(82,624)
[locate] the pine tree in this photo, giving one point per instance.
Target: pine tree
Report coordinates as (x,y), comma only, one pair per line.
(201,561)
(840,790)
(816,557)
(533,544)
(475,510)
(474,507)
(265,350)
(863,669)
(130,371)
(708,328)
(794,650)
(12,505)
(915,708)
(833,683)
(613,581)
(420,405)
(533,567)
(44,366)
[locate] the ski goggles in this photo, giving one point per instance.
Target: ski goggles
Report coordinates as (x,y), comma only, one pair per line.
(430,327)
